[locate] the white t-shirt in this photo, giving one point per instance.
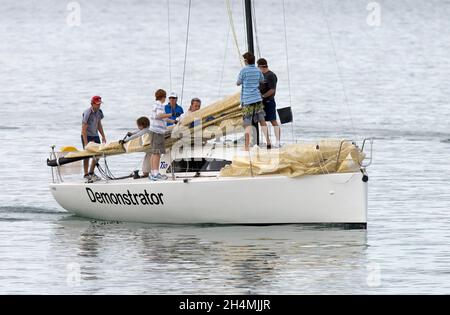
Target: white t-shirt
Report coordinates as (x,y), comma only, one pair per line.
(157,124)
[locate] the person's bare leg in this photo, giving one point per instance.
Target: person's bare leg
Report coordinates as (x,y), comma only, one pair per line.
(92,168)
(155,162)
(146,165)
(85,166)
(265,131)
(248,130)
(152,157)
(277,130)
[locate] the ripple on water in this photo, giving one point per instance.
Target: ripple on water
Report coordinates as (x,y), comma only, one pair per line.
(27,209)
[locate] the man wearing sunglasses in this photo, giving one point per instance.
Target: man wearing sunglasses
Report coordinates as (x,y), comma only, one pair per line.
(173,108)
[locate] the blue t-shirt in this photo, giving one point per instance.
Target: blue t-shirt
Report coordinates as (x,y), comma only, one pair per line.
(250,78)
(176,112)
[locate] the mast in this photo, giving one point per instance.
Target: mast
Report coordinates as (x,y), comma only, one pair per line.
(249,24)
(250,45)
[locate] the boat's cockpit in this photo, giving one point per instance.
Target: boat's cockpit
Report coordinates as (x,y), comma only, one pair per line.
(197,165)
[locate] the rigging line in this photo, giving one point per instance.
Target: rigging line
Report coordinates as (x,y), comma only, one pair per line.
(319,162)
(338,66)
(244,21)
(258,49)
(186,49)
(322,160)
(230,19)
(287,66)
(170,48)
(224,60)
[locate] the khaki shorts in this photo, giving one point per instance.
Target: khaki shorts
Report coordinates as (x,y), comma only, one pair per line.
(158,143)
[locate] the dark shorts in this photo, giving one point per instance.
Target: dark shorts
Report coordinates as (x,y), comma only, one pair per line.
(95,139)
(270,108)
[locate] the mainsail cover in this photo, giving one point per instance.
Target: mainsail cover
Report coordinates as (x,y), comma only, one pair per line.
(295,160)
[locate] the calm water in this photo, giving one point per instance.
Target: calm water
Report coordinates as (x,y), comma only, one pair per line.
(395,77)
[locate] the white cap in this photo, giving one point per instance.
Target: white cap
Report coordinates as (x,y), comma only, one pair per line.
(173,94)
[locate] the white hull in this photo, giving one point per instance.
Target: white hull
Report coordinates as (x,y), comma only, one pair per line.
(330,198)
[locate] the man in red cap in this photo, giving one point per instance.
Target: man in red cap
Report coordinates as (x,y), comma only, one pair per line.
(91,126)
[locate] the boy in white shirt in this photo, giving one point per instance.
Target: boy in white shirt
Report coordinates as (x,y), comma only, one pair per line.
(158,127)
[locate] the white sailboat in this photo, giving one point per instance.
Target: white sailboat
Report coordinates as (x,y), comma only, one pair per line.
(199,191)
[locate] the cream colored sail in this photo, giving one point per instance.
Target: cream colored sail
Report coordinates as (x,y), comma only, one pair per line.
(221,117)
(327,156)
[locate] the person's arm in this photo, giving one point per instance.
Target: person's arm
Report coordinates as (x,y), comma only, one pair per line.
(100,129)
(160,112)
(131,133)
(240,79)
(164,116)
(269,93)
(128,135)
(137,134)
(84,128)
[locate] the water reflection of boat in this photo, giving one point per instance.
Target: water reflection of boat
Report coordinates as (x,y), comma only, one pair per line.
(234,259)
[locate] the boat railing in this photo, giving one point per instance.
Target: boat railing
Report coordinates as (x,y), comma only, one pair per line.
(363,145)
(369,157)
(339,153)
(56,175)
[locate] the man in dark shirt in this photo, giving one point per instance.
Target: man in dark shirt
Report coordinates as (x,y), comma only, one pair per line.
(268,90)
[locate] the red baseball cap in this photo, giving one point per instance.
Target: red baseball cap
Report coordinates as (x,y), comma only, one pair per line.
(96,99)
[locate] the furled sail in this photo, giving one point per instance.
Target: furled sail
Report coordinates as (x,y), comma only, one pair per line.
(217,119)
(295,160)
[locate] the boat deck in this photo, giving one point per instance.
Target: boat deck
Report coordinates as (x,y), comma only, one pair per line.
(191,178)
